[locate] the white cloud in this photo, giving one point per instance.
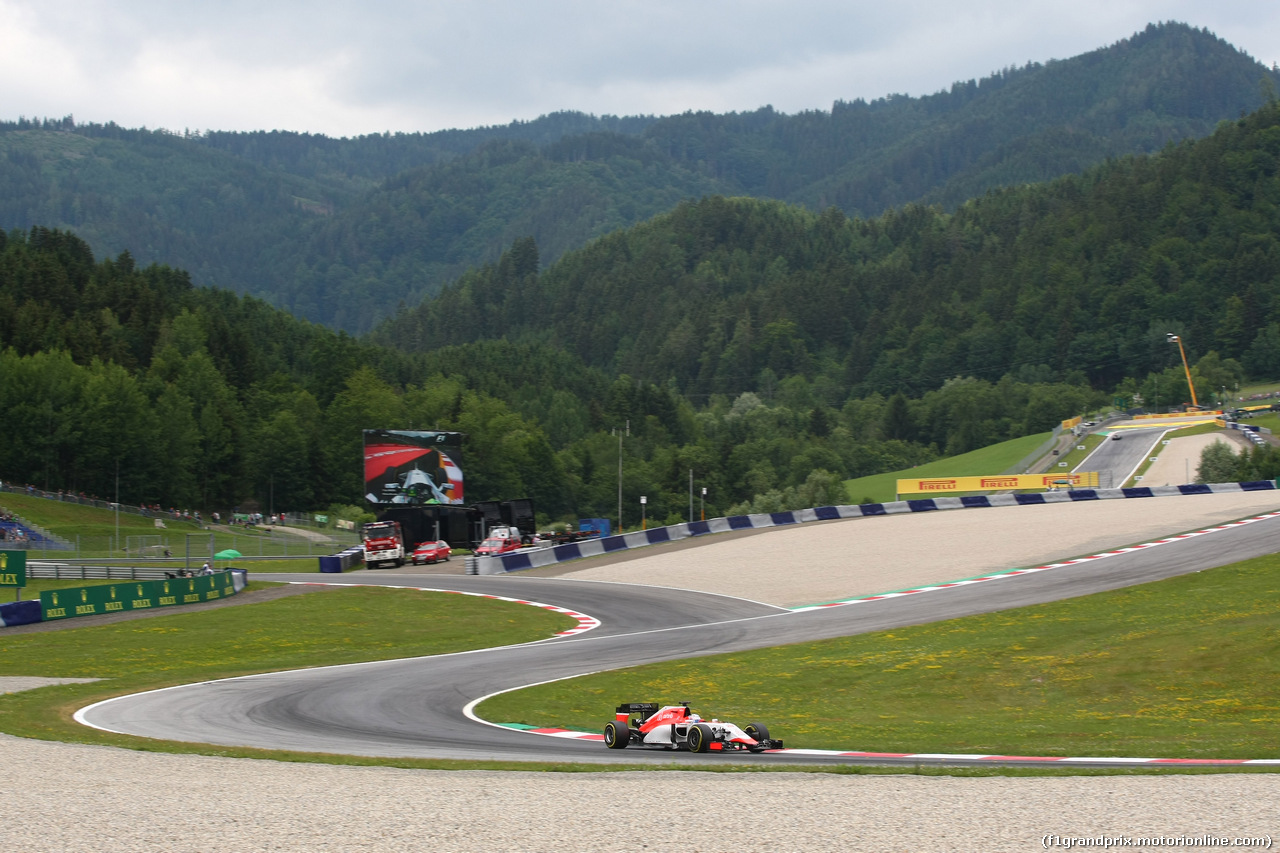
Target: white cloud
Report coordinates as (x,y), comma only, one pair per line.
(345,68)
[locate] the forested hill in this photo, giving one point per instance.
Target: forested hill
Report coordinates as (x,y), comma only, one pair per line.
(771,350)
(114,376)
(122,380)
(1081,277)
(342,231)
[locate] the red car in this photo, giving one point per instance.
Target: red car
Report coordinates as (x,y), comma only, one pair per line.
(431,552)
(675,726)
(494,546)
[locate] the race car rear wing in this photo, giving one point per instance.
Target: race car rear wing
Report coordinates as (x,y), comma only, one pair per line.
(645,710)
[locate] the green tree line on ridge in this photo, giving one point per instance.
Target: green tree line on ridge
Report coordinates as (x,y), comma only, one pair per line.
(341,231)
(195,397)
(1076,280)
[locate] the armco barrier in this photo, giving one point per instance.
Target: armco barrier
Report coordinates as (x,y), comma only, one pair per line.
(521,560)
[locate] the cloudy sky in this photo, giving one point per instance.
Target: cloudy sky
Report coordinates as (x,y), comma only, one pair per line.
(346,68)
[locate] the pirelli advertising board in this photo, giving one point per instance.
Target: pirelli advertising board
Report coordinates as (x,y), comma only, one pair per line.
(1004,482)
(135,595)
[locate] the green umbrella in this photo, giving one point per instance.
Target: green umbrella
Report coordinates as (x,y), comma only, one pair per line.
(229,554)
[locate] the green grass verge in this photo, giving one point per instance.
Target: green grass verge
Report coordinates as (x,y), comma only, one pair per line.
(995,459)
(1256,388)
(1182,668)
(1075,456)
(318,629)
(1270,420)
(94,529)
(1202,429)
(65,518)
(291,565)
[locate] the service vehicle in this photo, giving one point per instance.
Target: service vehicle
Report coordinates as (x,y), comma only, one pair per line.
(383,543)
(431,552)
(495,545)
(676,727)
(500,540)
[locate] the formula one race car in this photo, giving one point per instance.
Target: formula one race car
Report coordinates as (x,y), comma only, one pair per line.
(674,726)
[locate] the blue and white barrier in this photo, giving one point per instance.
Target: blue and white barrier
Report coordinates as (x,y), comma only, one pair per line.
(20,613)
(521,560)
(340,562)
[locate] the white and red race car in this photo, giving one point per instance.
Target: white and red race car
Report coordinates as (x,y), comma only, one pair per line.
(675,726)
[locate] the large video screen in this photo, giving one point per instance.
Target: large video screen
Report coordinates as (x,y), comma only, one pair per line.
(413,467)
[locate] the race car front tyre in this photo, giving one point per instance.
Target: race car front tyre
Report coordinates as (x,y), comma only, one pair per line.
(616,735)
(700,737)
(758,732)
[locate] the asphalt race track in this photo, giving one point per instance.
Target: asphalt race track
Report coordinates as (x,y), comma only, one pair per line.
(415,707)
(1115,461)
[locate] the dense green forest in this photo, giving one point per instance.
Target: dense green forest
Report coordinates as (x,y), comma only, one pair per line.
(770,350)
(200,398)
(1077,280)
(343,231)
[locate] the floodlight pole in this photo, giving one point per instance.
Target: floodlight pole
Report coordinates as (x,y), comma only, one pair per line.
(619,431)
(1178,338)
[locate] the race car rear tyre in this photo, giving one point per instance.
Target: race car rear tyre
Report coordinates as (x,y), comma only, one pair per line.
(758,732)
(616,735)
(700,737)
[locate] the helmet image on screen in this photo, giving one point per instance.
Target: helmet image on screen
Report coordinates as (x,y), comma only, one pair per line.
(406,467)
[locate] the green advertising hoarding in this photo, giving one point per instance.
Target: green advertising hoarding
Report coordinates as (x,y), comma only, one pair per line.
(134,595)
(13,568)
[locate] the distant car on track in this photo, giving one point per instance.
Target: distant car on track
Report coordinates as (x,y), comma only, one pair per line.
(431,552)
(676,727)
(1115,436)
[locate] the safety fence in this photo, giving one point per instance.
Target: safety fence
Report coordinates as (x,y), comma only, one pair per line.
(182,546)
(521,560)
(1023,465)
(63,571)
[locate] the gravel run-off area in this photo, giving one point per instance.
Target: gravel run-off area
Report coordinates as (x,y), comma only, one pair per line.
(826,561)
(70,797)
(73,798)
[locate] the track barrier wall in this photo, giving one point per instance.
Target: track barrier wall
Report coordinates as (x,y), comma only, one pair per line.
(20,613)
(935,485)
(340,562)
(136,595)
(521,560)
